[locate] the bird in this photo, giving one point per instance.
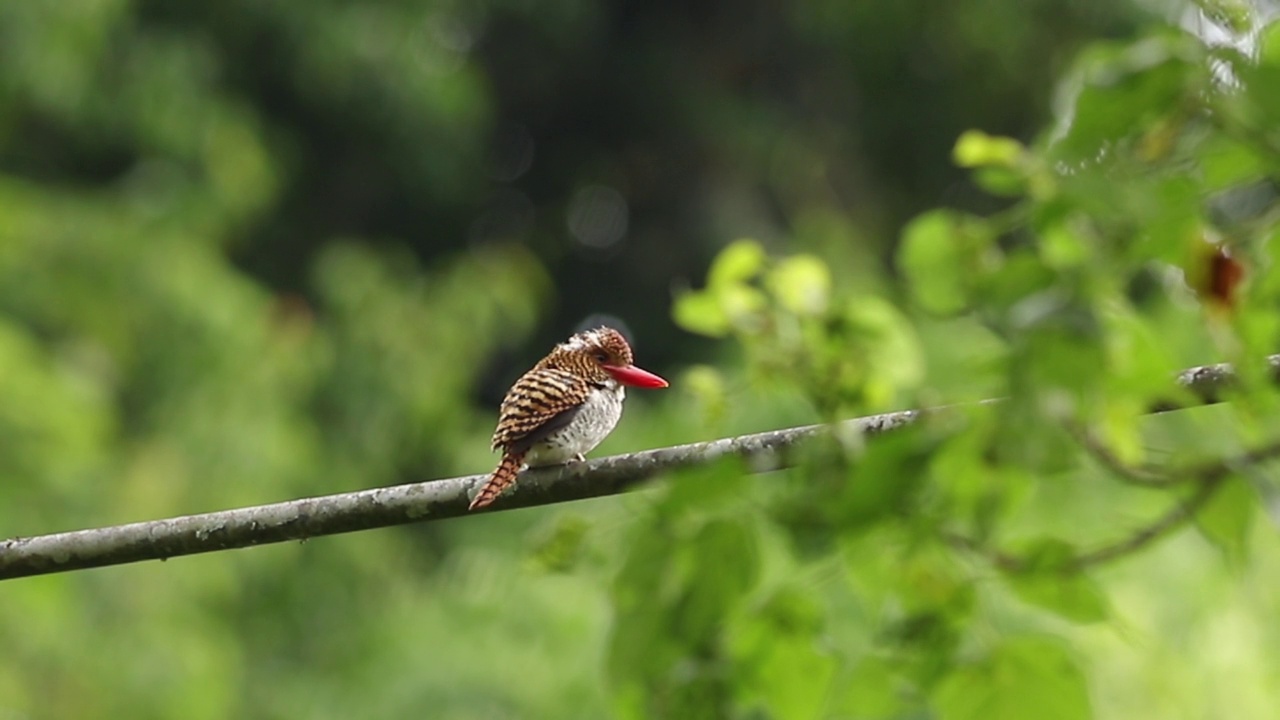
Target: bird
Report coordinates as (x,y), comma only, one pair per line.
(563,407)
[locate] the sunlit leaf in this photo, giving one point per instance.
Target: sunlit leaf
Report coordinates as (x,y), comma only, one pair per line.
(786,667)
(1062,247)
(1269,44)
(741,304)
(738,262)
(1001,181)
(893,351)
(872,691)
(1073,595)
(802,284)
(706,385)
(1225,520)
(700,311)
(975,148)
(1226,162)
(1020,678)
(934,258)
(789,674)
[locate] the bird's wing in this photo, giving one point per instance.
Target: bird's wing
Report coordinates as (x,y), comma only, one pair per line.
(542,401)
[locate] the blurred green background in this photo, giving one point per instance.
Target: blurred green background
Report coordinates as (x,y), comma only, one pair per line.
(252,251)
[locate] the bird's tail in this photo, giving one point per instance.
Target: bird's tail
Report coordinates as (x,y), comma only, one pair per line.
(505,475)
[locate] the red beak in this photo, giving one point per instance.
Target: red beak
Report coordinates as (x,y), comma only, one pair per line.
(632,375)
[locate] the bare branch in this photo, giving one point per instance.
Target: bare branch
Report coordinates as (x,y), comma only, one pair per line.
(440,499)
(397,505)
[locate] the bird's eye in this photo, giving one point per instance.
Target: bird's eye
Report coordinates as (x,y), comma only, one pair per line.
(600,356)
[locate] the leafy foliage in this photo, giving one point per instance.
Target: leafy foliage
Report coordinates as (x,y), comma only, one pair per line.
(1147,172)
(256,251)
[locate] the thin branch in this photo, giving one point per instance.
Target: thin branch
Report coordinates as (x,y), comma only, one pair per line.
(1173,519)
(1208,478)
(1140,476)
(441,499)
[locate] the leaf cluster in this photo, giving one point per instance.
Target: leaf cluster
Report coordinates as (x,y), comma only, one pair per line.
(949,568)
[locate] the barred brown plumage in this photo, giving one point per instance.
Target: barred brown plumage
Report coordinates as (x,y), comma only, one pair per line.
(538,396)
(564,406)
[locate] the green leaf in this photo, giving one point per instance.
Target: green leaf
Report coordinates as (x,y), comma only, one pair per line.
(1051,583)
(698,489)
(977,149)
(973,486)
(640,644)
(1027,677)
(792,610)
(726,565)
(1073,595)
(1225,520)
(885,479)
(1123,90)
(1047,555)
(785,666)
(1062,248)
(790,675)
(802,284)
(738,262)
(705,385)
(1019,275)
(562,545)
(1269,45)
(1233,15)
(700,312)
(934,258)
(1226,162)
(1001,181)
(872,690)
(742,304)
(895,358)
(1257,107)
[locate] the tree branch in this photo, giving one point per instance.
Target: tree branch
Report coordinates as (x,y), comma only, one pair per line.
(397,505)
(440,499)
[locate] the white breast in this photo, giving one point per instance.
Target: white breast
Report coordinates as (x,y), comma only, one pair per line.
(593,423)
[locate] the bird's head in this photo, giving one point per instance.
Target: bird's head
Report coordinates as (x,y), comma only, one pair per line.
(600,354)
